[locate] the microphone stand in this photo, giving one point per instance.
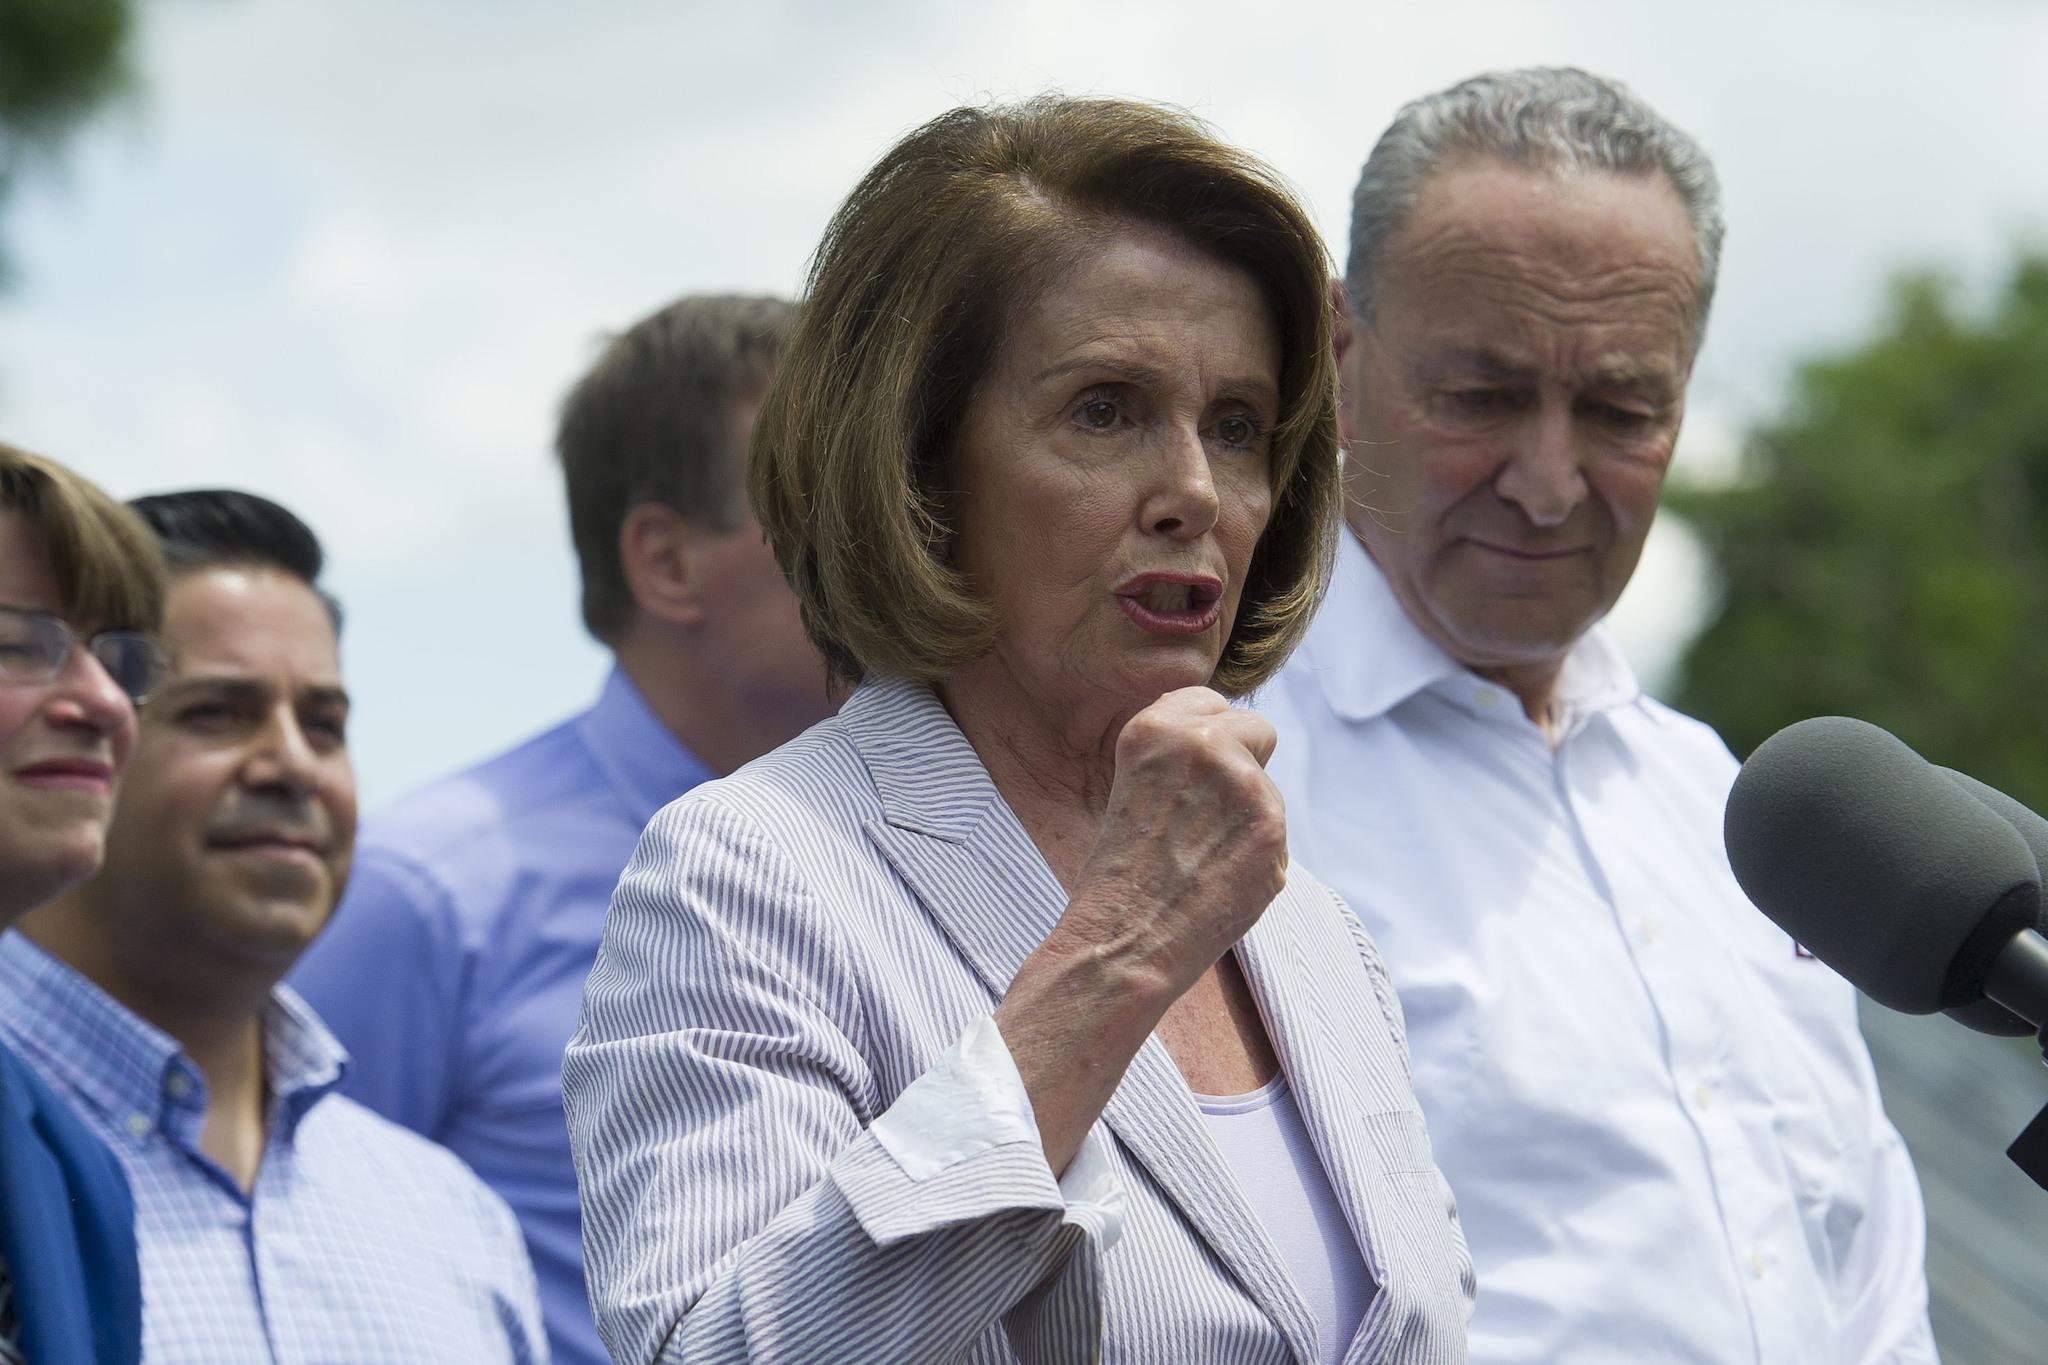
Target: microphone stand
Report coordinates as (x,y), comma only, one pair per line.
(2029,1151)
(2018,980)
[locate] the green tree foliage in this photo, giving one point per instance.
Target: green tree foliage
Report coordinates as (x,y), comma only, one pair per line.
(59,61)
(1885,554)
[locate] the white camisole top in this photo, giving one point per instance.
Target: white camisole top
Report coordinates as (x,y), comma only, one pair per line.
(1267,1147)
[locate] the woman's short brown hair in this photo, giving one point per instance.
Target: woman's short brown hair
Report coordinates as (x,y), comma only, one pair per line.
(108,568)
(923,268)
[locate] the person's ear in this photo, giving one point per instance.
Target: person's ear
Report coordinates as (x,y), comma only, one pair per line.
(1343,339)
(658,552)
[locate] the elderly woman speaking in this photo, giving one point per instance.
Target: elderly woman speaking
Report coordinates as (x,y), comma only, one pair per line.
(986,1021)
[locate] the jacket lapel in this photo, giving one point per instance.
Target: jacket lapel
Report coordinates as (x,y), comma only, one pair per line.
(1154,1116)
(1342,1065)
(949,834)
(66,1230)
(963,853)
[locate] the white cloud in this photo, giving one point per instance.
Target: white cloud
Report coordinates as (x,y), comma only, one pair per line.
(350,255)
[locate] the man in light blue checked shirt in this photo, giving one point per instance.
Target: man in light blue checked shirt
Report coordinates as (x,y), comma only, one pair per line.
(277,1221)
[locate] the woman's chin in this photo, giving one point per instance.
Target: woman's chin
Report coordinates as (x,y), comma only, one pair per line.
(1152,673)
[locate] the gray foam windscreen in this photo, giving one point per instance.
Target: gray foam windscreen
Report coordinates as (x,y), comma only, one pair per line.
(1988,1016)
(1880,865)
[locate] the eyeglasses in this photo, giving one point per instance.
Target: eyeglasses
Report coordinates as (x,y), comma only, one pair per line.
(35,646)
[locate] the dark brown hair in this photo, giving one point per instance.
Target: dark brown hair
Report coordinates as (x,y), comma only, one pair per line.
(207,528)
(108,569)
(920,273)
(653,422)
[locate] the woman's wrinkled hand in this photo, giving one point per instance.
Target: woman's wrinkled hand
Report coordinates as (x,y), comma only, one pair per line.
(1194,840)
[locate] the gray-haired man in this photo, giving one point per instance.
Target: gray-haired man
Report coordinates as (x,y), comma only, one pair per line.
(1657,1114)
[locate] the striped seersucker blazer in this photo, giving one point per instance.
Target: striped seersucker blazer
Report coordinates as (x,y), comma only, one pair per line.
(792,946)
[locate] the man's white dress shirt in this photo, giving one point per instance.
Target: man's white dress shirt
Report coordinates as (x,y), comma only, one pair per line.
(1657,1114)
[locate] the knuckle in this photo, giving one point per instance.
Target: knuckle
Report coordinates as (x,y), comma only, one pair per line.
(1267,825)
(1141,731)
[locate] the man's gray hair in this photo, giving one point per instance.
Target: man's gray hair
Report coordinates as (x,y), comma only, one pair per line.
(1543,118)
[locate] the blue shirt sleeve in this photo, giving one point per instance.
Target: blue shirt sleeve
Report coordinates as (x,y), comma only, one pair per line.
(390,976)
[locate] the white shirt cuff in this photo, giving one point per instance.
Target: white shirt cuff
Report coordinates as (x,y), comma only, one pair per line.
(972,1100)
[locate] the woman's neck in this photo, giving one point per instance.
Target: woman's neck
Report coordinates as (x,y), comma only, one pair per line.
(1053,761)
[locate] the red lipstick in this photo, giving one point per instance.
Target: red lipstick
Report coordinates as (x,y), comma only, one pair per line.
(1171,603)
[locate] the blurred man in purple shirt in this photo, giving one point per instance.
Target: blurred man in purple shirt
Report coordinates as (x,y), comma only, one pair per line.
(454,970)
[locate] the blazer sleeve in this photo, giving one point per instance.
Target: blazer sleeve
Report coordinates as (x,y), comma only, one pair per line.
(735,1203)
(67,1230)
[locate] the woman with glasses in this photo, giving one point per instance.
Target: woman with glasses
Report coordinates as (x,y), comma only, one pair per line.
(81,591)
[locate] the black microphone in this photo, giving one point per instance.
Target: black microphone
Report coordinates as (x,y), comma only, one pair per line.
(1988,1016)
(1889,870)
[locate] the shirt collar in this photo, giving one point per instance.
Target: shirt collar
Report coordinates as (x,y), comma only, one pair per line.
(1370,657)
(1596,676)
(644,761)
(301,1058)
(123,1066)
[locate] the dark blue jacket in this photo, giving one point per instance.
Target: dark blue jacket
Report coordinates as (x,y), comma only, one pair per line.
(67,1230)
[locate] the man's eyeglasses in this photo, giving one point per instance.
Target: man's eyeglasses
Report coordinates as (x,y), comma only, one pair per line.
(35,646)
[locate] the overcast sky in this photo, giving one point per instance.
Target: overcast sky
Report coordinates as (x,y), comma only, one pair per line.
(350,255)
